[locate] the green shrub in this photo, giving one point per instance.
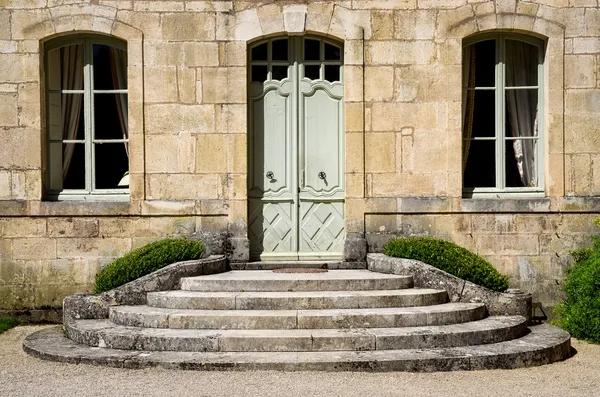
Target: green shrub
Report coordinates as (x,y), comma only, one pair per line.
(450,258)
(146,260)
(7,323)
(579,313)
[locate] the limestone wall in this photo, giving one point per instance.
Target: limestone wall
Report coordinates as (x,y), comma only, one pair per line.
(187,122)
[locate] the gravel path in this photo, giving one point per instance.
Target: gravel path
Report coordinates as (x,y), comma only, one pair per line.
(24,376)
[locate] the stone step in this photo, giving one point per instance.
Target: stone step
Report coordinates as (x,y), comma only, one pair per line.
(103,333)
(270,265)
(269,281)
(545,344)
(296,300)
(152,317)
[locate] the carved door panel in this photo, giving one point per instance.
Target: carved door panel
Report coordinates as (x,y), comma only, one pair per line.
(296,176)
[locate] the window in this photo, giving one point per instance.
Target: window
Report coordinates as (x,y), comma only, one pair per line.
(86,111)
(502,115)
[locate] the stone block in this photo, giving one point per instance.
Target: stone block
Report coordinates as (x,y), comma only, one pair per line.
(170,153)
(9,115)
(5,186)
(223,85)
(211,153)
(354,120)
(377,83)
(23,227)
(34,248)
(496,223)
(354,152)
(271,18)
(72,227)
(188,26)
(380,152)
(161,84)
(189,118)
(186,82)
(415,25)
(294,18)
(28,105)
(382,24)
(92,247)
(200,54)
(123,227)
(5,33)
(197,186)
(400,52)
(319,16)
(581,71)
(31,24)
(507,244)
(231,119)
(147,22)
(246,25)
(385,4)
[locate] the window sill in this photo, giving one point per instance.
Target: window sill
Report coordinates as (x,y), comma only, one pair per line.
(530,202)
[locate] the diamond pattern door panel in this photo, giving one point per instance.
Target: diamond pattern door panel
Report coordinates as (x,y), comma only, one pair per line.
(271,226)
(322,227)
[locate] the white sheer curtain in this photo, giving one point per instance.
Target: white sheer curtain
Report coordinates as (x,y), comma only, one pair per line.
(118,65)
(521,63)
(71,79)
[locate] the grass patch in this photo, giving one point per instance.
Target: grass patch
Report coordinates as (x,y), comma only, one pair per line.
(146,260)
(450,258)
(7,323)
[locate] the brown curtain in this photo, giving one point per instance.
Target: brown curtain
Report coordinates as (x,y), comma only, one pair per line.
(71,61)
(468,100)
(118,65)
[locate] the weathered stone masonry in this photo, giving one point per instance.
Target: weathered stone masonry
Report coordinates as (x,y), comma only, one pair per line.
(187,82)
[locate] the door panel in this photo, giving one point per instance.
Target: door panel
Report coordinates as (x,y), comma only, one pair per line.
(295,143)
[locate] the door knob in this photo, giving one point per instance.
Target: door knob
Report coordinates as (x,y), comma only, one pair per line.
(270,175)
(322,175)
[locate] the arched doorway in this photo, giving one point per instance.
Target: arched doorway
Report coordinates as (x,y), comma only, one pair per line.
(296,149)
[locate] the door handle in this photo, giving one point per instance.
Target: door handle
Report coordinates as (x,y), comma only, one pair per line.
(322,175)
(270,175)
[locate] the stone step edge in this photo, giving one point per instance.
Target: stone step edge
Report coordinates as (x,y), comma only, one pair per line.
(266,265)
(545,344)
(183,299)
(151,317)
(103,333)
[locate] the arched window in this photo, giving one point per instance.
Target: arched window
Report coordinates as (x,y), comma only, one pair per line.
(86,118)
(502,114)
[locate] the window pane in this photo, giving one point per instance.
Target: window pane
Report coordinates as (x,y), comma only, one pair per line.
(481,164)
(65,117)
(521,64)
(112,162)
(259,53)
(332,73)
(280,50)
(65,68)
(312,71)
(110,116)
(485,63)
(332,53)
(73,166)
(259,73)
(110,68)
(279,72)
(520,157)
(481,108)
(312,50)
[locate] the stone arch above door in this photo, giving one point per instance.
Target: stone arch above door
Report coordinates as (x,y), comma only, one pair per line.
(324,19)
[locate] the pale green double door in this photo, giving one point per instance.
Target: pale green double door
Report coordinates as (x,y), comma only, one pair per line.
(296,149)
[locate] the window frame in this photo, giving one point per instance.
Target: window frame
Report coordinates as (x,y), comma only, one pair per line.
(89,192)
(500,138)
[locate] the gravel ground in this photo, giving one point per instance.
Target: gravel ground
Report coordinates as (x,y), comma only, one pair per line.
(24,376)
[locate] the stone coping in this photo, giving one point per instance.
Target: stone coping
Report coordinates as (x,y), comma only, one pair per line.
(89,306)
(459,290)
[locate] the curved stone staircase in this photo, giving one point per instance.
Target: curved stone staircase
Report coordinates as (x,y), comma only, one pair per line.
(338,320)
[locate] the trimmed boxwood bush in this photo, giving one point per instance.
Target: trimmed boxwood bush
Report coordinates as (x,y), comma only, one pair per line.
(450,258)
(579,313)
(146,260)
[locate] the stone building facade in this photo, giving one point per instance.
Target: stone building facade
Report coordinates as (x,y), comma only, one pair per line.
(197,107)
